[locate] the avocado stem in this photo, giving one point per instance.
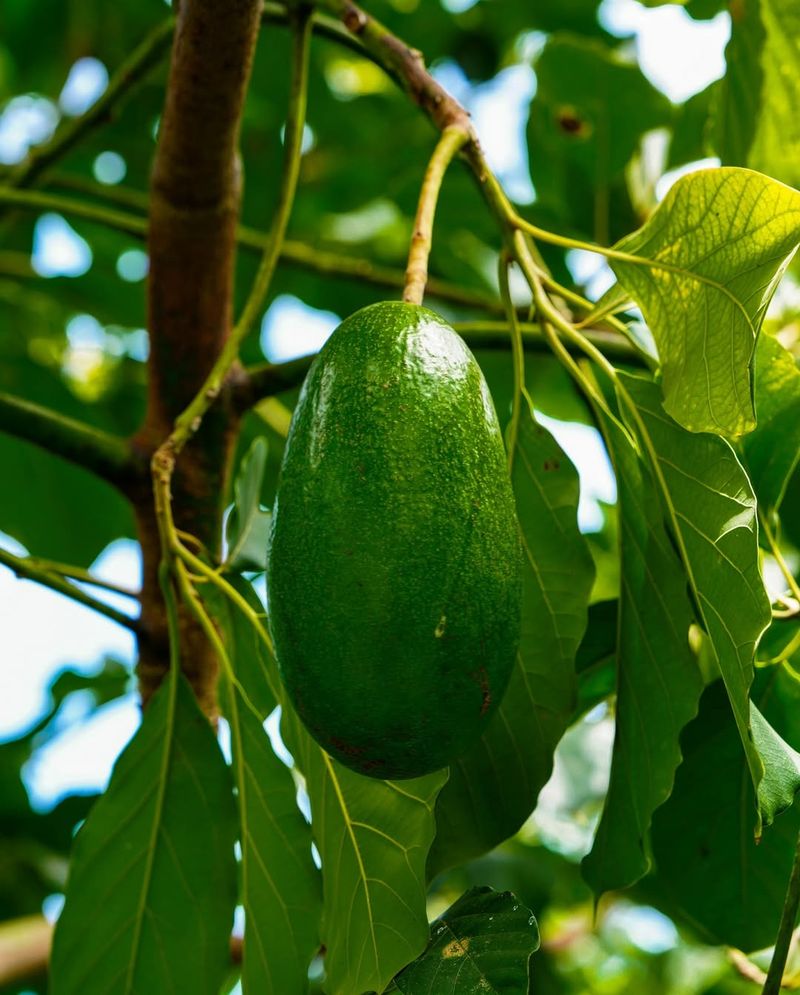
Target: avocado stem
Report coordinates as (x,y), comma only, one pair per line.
(453,138)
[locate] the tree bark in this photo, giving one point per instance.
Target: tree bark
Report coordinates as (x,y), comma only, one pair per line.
(194,206)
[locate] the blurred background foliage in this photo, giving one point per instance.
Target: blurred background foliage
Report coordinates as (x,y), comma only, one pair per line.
(586,140)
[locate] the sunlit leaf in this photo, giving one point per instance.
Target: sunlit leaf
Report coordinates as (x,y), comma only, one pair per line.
(756,111)
(481,944)
(152,887)
(703,269)
(658,680)
(493,789)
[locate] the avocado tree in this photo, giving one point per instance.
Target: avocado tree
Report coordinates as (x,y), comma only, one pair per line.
(678,615)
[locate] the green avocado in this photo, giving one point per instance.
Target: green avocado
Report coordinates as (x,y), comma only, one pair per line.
(394,567)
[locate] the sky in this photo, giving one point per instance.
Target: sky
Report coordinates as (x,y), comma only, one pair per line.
(679,55)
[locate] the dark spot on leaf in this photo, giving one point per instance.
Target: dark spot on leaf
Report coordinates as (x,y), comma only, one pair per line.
(571,123)
(551,464)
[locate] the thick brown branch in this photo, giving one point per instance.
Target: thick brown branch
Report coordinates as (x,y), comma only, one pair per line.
(194,206)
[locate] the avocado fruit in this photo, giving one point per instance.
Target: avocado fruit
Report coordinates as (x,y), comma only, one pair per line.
(394,565)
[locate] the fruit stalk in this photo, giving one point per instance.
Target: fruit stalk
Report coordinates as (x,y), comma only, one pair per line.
(453,138)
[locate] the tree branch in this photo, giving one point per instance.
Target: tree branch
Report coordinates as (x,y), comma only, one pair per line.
(107,456)
(29,569)
(133,70)
(194,205)
(24,949)
(293,252)
(256,382)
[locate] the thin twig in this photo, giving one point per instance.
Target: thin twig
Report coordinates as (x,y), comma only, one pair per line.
(107,456)
(791,904)
(28,569)
(82,576)
(293,252)
(145,57)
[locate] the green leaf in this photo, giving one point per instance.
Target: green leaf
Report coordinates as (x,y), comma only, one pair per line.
(690,139)
(658,680)
(248,524)
(771,452)
(493,789)
(588,116)
(595,661)
(373,838)
(703,269)
(711,509)
(153,881)
(756,113)
(738,97)
(281,890)
(58,529)
(482,944)
(710,870)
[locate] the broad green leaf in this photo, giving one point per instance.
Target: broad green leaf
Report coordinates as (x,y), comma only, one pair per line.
(595,661)
(248,524)
(658,680)
(691,138)
(738,97)
(703,269)
(152,887)
(756,113)
(493,789)
(58,529)
(281,890)
(771,452)
(711,510)
(710,870)
(776,143)
(482,944)
(587,118)
(373,839)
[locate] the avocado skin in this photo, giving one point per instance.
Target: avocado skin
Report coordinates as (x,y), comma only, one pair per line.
(394,567)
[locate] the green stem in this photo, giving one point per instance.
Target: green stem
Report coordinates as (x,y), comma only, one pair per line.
(293,144)
(105,455)
(35,200)
(554,322)
(148,54)
(82,576)
(775,549)
(451,141)
(292,252)
(518,356)
(791,904)
(29,569)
